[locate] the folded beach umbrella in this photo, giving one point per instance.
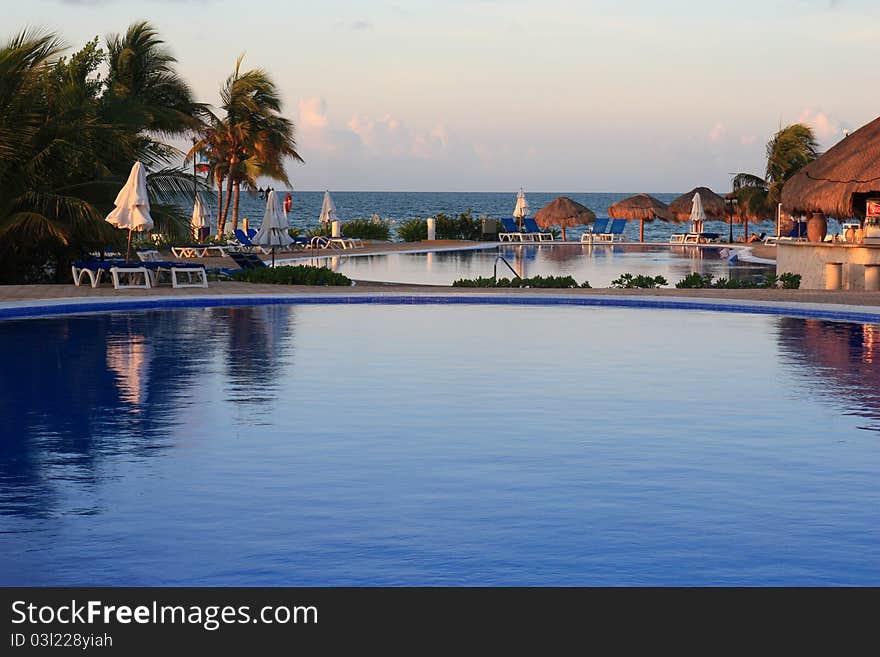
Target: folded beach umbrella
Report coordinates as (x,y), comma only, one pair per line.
(328,210)
(201,217)
(521,211)
(564,212)
(132,209)
(641,207)
(698,215)
(274,231)
(714,206)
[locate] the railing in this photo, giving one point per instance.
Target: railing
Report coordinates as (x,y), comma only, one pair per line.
(509,266)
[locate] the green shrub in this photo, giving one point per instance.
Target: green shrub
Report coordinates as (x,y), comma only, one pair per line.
(640,281)
(294,232)
(287,275)
(413,230)
(790,281)
(695,280)
(464,227)
(787,281)
(535,281)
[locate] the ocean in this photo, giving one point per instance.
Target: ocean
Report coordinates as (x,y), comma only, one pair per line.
(400,206)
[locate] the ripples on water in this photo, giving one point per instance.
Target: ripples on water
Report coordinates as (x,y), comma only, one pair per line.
(329,445)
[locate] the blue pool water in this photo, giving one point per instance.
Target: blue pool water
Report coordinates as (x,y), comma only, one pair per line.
(438,445)
(597,264)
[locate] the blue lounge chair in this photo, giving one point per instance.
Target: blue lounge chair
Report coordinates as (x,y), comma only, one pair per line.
(531,228)
(616,230)
(247,260)
(599,227)
(244,240)
(511,231)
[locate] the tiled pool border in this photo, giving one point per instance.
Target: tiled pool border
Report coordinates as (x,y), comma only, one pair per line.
(56,307)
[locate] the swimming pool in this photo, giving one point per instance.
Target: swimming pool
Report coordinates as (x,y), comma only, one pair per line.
(599,264)
(438,445)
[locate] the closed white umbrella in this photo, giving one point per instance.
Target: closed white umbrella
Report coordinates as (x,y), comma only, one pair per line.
(201,217)
(521,211)
(328,210)
(698,216)
(273,231)
(132,209)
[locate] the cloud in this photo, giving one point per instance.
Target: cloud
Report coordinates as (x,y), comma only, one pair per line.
(383,136)
(716,134)
(826,128)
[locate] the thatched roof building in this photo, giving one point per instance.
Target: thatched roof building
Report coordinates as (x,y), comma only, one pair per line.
(564,212)
(713,205)
(640,207)
(839,181)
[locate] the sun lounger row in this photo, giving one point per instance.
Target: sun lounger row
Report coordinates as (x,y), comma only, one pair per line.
(244,242)
(693,238)
(600,232)
(531,232)
(125,275)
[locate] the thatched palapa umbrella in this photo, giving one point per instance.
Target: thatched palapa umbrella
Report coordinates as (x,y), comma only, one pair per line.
(838,182)
(641,207)
(564,212)
(713,205)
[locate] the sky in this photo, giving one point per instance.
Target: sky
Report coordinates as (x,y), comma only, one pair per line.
(551,95)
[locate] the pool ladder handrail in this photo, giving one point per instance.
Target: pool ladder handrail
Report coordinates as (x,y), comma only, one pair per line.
(509,266)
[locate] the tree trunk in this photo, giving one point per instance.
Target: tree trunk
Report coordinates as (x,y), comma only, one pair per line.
(235,204)
(228,199)
(221,222)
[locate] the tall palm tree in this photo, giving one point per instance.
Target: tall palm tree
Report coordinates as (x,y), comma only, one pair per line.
(790,149)
(260,137)
(68,138)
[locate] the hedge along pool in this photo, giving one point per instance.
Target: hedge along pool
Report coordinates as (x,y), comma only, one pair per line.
(598,264)
(438,445)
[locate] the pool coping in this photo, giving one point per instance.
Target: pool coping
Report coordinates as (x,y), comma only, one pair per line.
(36,308)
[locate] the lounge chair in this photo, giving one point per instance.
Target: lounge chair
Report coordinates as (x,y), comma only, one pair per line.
(599,227)
(243,240)
(511,232)
(247,260)
(613,232)
(531,228)
(798,233)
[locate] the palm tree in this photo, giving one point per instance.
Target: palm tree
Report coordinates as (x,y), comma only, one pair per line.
(790,149)
(68,138)
(259,137)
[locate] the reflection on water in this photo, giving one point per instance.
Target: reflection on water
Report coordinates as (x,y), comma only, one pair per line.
(437,445)
(599,263)
(836,360)
(95,388)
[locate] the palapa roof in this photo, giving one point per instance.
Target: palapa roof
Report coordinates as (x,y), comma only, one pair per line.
(563,211)
(838,181)
(640,206)
(713,205)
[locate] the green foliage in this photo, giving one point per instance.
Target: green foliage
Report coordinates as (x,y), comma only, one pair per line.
(367,229)
(68,138)
(790,281)
(789,150)
(695,280)
(787,281)
(288,275)
(535,281)
(413,230)
(640,281)
(463,227)
(294,232)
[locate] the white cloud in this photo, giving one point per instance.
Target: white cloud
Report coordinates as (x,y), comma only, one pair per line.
(827,130)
